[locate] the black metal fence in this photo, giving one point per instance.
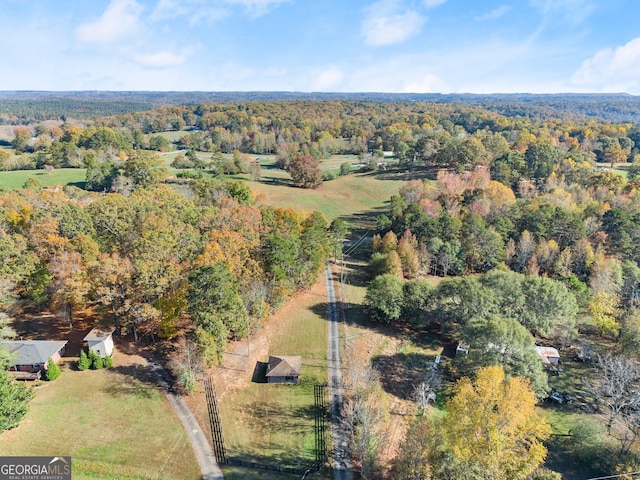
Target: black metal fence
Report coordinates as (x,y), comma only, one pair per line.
(320,413)
(320,427)
(214,420)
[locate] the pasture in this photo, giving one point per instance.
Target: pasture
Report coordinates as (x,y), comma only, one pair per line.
(115,423)
(269,423)
(16,179)
(349,196)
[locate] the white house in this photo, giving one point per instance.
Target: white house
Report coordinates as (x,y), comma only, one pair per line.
(100,340)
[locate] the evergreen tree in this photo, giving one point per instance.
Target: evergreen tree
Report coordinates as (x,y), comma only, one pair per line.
(14,398)
(96,360)
(53,371)
(84,363)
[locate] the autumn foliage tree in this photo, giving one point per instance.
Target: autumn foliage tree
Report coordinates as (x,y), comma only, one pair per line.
(492,423)
(305,171)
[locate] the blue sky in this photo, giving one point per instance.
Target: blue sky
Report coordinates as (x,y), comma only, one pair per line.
(481,46)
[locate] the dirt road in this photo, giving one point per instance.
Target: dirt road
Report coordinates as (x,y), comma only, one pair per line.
(342,462)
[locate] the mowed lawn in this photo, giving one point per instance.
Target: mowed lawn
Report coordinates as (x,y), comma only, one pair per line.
(114,426)
(63,176)
(274,424)
(345,196)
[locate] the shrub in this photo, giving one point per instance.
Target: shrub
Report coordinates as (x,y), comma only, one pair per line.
(189,174)
(84,363)
(52,372)
(181,162)
(96,360)
(328,176)
(546,474)
(345,169)
(108,362)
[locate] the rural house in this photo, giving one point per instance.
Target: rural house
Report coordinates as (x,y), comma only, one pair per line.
(549,356)
(284,369)
(29,358)
(100,341)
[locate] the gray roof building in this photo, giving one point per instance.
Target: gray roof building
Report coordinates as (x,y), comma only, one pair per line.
(284,368)
(32,352)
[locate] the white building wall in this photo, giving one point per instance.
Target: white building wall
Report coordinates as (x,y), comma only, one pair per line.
(103,348)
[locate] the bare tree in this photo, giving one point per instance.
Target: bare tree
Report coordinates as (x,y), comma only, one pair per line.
(186,364)
(363,413)
(425,392)
(363,419)
(617,386)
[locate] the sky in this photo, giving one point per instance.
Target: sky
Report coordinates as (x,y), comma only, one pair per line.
(417,46)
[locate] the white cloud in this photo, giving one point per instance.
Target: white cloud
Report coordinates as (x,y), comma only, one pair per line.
(170,9)
(211,11)
(433,3)
(493,14)
(160,59)
(256,8)
(328,79)
(569,11)
(384,25)
(120,21)
(612,70)
(428,83)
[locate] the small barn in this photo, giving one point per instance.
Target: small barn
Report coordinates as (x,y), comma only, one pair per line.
(100,340)
(29,358)
(548,355)
(284,369)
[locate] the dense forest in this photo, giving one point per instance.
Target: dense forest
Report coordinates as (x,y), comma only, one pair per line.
(27,107)
(146,259)
(436,135)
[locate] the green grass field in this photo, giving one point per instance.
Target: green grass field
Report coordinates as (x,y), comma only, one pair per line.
(111,423)
(172,136)
(64,176)
(273,424)
(345,196)
(619,168)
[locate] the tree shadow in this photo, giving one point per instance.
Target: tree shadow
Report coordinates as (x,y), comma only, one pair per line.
(402,372)
(404,174)
(140,381)
(274,417)
(362,223)
(47,326)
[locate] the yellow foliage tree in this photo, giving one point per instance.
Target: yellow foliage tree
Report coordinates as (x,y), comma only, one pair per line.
(604,310)
(492,424)
(233,249)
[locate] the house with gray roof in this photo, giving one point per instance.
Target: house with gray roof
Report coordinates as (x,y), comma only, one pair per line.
(284,369)
(29,358)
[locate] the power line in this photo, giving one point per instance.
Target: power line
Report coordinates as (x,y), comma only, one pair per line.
(615,476)
(357,243)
